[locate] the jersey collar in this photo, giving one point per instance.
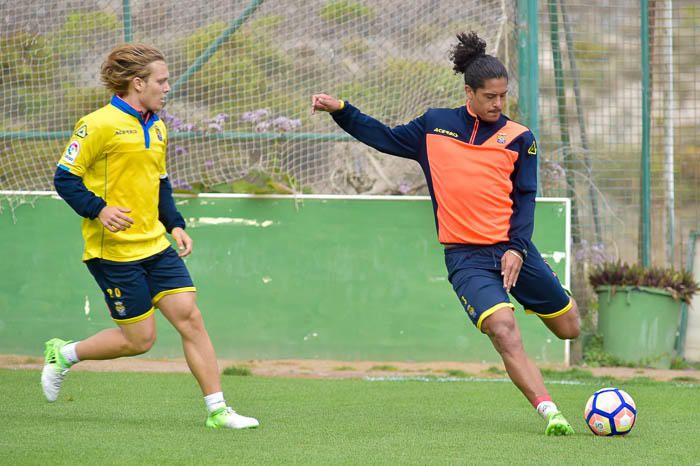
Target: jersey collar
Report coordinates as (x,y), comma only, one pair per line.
(501,119)
(149,117)
(470,111)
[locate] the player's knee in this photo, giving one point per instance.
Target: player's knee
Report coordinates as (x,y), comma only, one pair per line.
(141,345)
(568,333)
(145,346)
(505,336)
(191,322)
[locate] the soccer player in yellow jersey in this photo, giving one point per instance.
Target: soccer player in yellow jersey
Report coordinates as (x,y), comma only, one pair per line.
(113,174)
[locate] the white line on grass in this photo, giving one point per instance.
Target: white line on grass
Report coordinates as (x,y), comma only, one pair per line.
(423,378)
(397,378)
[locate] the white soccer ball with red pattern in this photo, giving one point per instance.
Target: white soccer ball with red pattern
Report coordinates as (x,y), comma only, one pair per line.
(610,411)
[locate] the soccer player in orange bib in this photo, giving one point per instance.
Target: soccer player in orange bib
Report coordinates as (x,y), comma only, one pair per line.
(481,171)
(112,173)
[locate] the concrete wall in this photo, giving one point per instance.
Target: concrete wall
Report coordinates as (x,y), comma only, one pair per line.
(277,277)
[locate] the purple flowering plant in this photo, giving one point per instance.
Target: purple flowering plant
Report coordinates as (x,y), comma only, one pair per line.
(262,120)
(593,253)
(176,124)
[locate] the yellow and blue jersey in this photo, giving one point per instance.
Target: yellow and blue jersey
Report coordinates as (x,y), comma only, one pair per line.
(119,155)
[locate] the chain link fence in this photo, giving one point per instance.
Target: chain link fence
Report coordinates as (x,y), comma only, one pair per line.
(243,72)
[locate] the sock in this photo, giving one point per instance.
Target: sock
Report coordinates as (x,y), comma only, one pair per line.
(69,354)
(215,401)
(544,405)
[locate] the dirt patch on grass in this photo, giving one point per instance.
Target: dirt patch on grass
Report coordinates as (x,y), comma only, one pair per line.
(316,368)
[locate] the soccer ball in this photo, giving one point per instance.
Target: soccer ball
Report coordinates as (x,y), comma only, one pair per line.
(610,411)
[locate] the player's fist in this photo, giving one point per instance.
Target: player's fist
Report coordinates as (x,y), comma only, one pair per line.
(325,103)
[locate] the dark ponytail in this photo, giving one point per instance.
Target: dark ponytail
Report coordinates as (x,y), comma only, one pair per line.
(470,59)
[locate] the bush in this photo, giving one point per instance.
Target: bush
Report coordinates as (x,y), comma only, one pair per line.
(25,58)
(398,78)
(595,356)
(240,371)
(248,64)
(343,11)
(680,284)
(26,65)
(100,27)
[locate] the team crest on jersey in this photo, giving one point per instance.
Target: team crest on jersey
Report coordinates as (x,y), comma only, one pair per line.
(72,152)
(120,308)
(159,134)
(82,132)
(502,138)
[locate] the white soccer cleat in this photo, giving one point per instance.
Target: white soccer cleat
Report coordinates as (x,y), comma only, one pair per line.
(53,373)
(51,380)
(227,418)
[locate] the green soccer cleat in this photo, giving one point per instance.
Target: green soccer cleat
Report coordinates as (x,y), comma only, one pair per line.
(227,418)
(55,368)
(558,425)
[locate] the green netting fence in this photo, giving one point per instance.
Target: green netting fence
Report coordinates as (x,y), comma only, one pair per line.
(611,89)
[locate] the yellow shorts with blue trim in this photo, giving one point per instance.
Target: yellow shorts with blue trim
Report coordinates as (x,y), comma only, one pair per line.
(132,289)
(475,274)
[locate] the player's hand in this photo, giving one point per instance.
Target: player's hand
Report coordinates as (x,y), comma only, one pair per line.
(511,263)
(114,218)
(183,240)
(325,103)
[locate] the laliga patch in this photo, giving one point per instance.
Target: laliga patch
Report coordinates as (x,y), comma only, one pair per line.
(82,132)
(159,134)
(72,152)
(533,149)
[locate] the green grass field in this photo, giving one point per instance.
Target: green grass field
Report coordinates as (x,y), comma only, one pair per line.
(151,418)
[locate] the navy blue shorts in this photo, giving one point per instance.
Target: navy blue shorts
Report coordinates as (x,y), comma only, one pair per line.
(475,275)
(132,289)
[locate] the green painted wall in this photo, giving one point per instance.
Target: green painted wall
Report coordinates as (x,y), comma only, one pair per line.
(345,279)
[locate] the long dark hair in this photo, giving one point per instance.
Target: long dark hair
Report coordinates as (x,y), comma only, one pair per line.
(470,59)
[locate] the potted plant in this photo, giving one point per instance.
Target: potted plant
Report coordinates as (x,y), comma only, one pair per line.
(639,309)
